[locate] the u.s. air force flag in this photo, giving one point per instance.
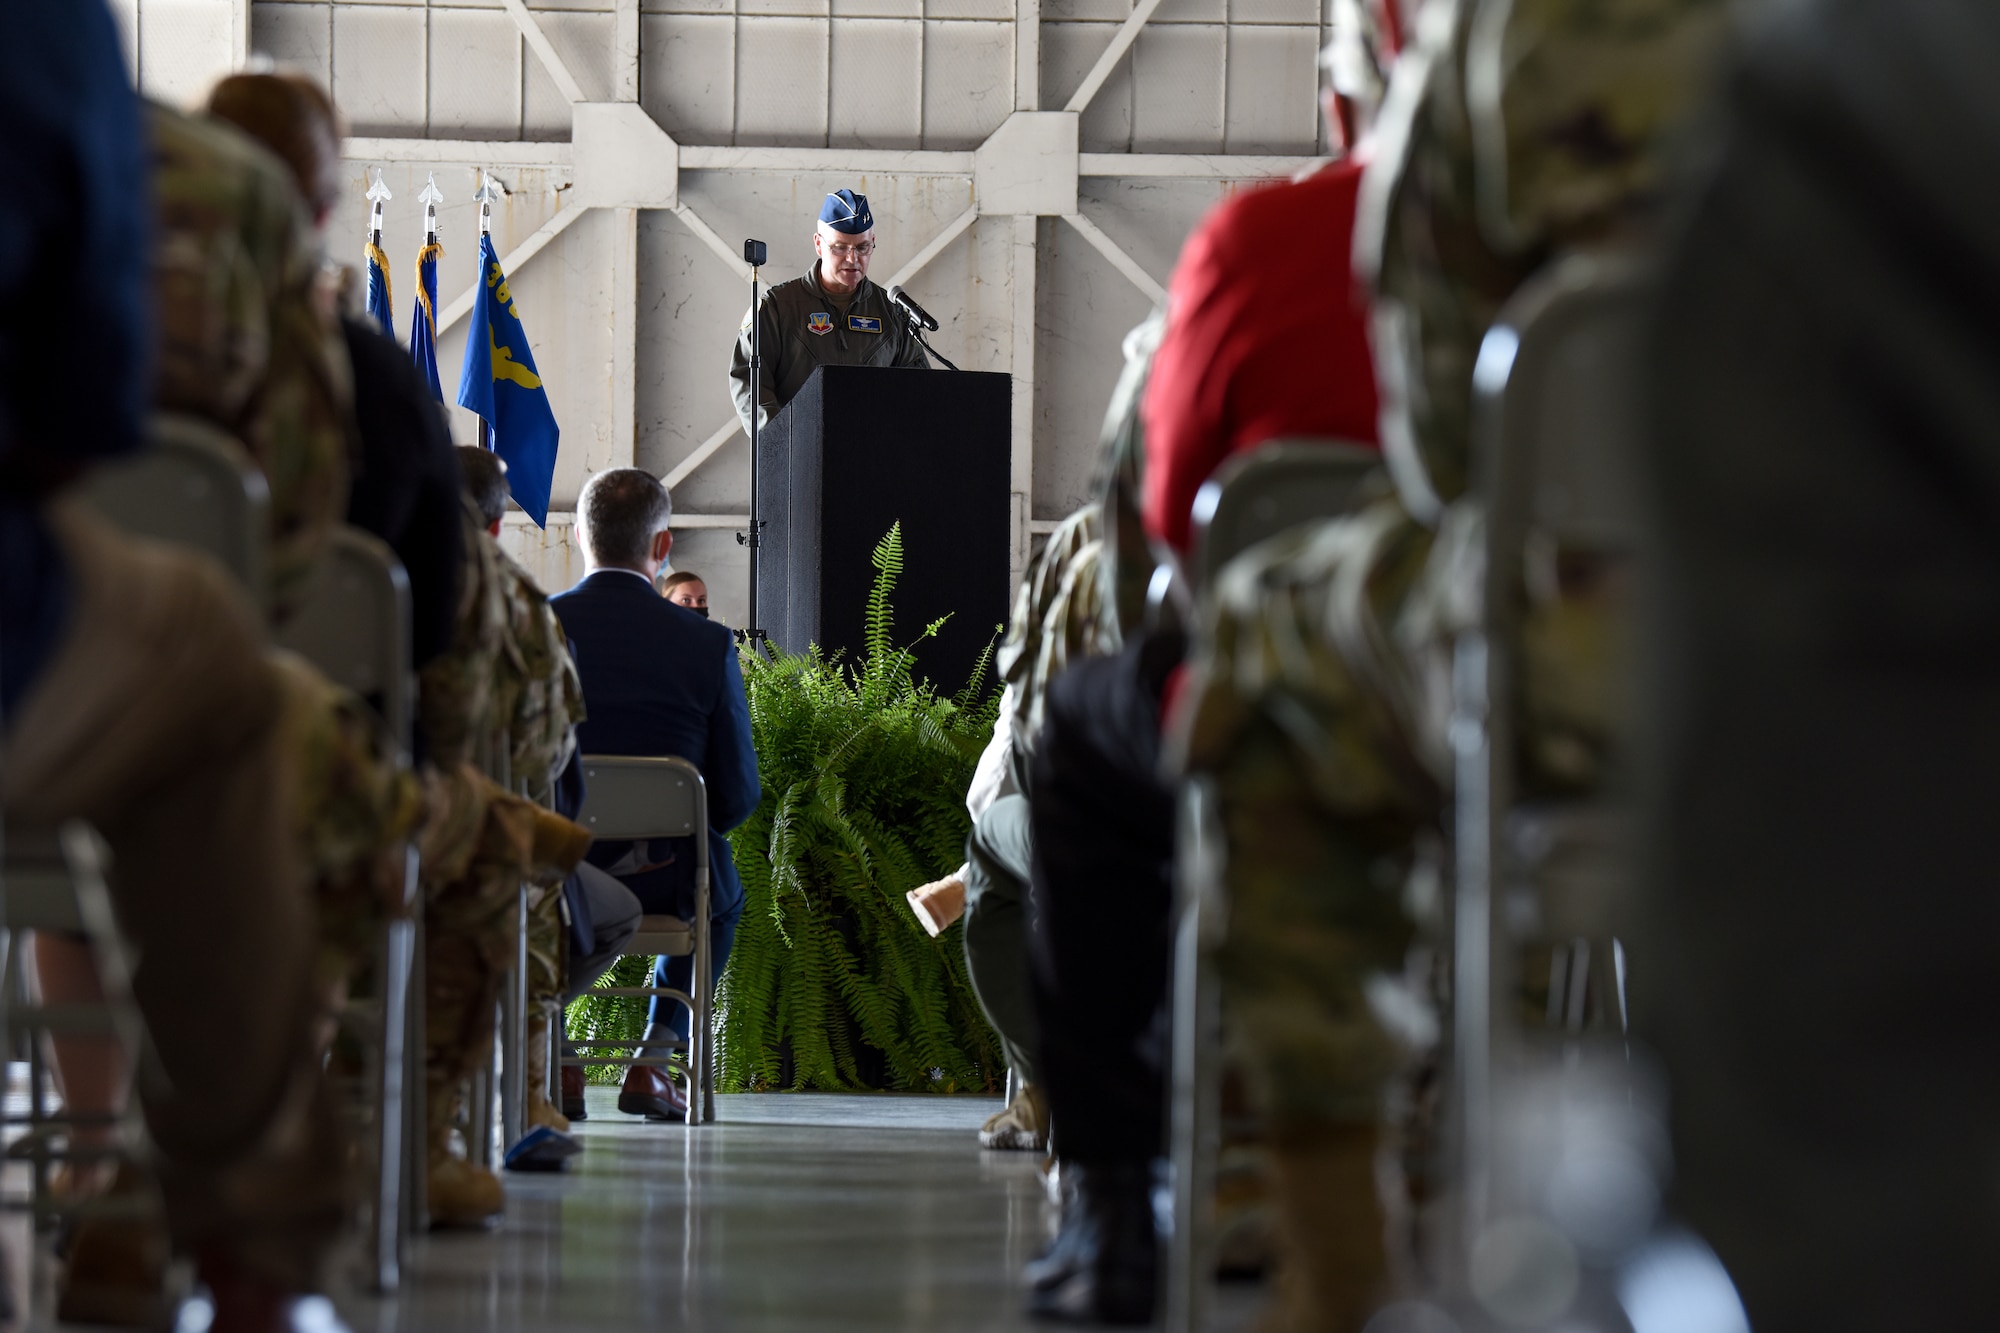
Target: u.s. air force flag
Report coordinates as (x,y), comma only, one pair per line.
(423,320)
(501,386)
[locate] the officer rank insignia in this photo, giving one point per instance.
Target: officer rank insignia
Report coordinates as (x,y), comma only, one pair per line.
(819,322)
(864,323)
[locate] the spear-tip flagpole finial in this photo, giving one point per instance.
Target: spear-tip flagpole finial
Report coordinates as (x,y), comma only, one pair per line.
(431,198)
(487,194)
(378,194)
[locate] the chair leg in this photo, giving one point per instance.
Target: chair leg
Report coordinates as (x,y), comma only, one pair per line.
(416,1124)
(513,1030)
(386,1226)
(697,1111)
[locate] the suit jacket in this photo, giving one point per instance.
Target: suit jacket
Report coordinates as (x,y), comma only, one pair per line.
(660,680)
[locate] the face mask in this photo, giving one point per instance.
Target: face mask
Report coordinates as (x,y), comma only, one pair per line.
(701,611)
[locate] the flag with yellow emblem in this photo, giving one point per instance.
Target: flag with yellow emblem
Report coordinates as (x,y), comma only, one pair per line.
(501,386)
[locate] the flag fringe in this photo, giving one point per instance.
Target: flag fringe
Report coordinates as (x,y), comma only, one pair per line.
(381,261)
(429,253)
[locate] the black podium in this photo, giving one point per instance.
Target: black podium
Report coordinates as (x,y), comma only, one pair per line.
(861,448)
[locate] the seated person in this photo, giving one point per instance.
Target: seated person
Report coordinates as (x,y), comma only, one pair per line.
(659,680)
(135,694)
(603,913)
(685,588)
(405,481)
(1248,354)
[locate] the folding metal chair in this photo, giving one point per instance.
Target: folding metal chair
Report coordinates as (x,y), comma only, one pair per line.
(638,799)
(55,880)
(1555,420)
(194,487)
(1255,496)
(353,623)
(1275,487)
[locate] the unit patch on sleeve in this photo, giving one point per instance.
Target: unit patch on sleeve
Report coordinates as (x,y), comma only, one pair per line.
(864,323)
(819,322)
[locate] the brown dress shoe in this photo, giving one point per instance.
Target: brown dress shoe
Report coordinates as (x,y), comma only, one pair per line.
(572,1093)
(650,1093)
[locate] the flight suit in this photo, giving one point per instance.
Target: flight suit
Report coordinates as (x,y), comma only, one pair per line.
(804,327)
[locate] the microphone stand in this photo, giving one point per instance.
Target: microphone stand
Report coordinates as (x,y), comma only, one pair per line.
(754,635)
(917,332)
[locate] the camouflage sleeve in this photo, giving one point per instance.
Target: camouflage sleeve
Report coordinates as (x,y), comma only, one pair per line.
(1513,129)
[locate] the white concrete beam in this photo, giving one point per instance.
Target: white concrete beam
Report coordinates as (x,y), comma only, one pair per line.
(835,161)
(512,263)
(915,263)
(498,153)
(623,158)
(1128,32)
(1021,456)
(701,453)
(625,338)
(1027,55)
(1028,165)
(1121,261)
(1193,166)
(625,52)
(708,237)
(538,42)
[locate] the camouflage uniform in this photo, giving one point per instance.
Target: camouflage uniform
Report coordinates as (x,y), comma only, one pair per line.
(507,686)
(241,342)
(1318,699)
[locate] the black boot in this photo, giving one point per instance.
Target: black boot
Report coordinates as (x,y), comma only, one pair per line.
(1104,1264)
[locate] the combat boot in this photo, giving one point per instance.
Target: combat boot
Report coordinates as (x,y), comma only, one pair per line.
(462,1195)
(541,1111)
(1021,1126)
(1333,1267)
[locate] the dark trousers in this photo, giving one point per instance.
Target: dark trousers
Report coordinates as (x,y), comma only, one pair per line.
(1102,900)
(614,920)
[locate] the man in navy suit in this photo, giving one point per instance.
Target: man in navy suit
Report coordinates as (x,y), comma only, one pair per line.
(659,680)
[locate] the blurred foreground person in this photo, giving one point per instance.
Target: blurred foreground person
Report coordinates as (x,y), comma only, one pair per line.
(136,695)
(1249,353)
(1826,464)
(1319,705)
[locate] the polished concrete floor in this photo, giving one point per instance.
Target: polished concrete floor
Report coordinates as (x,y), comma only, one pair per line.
(796,1211)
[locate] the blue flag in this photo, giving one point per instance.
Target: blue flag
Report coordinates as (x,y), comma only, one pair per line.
(423,320)
(500,385)
(381,299)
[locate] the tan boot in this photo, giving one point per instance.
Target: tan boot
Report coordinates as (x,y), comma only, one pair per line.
(463,1196)
(1022,1127)
(1333,1268)
(541,1111)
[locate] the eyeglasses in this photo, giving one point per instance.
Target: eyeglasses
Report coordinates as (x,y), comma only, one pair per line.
(852,251)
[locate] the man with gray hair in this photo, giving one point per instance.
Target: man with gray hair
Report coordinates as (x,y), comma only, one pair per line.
(659,680)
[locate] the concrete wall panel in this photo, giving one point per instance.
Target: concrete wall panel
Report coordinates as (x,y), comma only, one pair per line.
(968,82)
(688,75)
(877,83)
(781,69)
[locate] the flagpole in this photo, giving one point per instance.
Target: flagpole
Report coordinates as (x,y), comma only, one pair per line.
(485,198)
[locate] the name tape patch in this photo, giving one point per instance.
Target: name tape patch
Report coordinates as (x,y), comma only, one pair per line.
(864,323)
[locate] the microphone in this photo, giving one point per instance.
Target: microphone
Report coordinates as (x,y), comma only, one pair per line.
(909,303)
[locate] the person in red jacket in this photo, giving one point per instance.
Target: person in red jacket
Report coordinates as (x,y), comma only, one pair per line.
(1266,339)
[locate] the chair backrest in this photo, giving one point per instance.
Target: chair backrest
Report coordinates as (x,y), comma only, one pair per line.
(1556,415)
(353,623)
(627,798)
(1279,485)
(193,487)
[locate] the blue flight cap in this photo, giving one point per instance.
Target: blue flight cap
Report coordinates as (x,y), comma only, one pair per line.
(844,210)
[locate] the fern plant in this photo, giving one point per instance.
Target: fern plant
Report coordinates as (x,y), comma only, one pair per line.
(832,983)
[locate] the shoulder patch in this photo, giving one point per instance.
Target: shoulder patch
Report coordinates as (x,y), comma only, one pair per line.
(819,322)
(864,323)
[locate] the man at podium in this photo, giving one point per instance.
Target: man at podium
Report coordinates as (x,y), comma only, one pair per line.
(833,316)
